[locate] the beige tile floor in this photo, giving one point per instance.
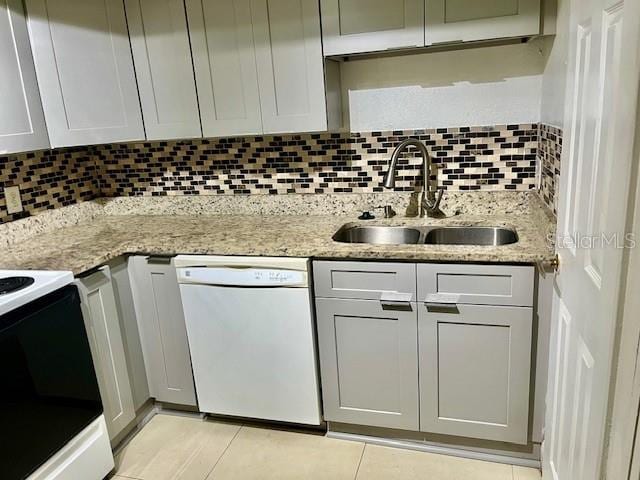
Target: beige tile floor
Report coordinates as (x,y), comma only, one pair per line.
(187,448)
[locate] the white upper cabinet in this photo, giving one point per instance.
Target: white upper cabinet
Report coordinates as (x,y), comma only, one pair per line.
(162,57)
(85,71)
(290,65)
(356,26)
(225,66)
(22,124)
(469,20)
(259,66)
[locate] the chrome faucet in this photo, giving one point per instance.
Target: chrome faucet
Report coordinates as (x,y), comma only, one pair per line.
(430,201)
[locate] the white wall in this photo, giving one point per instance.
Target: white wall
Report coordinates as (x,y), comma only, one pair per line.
(555,72)
(479,86)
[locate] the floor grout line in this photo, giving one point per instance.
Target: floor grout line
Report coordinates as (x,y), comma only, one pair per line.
(223,452)
(364,446)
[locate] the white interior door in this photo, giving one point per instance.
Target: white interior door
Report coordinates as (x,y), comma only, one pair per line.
(600,114)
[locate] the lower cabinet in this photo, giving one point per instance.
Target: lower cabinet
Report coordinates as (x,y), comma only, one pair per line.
(455,362)
(474,371)
(369,362)
(130,332)
(106,342)
(163,333)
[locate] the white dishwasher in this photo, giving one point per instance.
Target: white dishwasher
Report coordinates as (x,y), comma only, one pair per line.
(251,335)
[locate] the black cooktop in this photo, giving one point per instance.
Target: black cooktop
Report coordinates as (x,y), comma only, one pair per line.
(13,284)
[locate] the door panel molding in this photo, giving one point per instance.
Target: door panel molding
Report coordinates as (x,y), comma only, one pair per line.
(85,71)
(22,126)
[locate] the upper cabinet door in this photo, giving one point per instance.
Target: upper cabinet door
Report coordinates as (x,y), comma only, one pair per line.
(22,124)
(162,57)
(225,66)
(85,71)
(290,65)
(469,20)
(357,26)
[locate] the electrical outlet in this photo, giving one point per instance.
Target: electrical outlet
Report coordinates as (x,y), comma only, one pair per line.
(13,200)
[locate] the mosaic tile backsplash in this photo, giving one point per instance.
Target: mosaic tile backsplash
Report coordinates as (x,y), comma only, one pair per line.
(49,179)
(489,158)
(550,152)
(502,157)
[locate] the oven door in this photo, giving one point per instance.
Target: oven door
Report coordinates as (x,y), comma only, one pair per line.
(49,390)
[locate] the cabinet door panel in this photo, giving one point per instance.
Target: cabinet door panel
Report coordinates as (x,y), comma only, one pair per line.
(475,371)
(130,333)
(290,65)
(476,284)
(162,330)
(368,363)
(357,26)
(85,71)
(364,280)
(225,66)
(107,348)
(22,126)
(469,20)
(162,56)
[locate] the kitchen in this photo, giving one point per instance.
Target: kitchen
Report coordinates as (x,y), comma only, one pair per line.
(334,239)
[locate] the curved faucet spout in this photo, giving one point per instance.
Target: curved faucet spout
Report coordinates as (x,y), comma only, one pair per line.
(430,203)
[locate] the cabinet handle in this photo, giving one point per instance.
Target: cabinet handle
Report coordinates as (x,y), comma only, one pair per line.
(441,307)
(395,300)
(395,297)
(403,306)
(159,260)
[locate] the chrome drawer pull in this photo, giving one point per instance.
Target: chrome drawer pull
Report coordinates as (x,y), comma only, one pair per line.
(395,297)
(441,307)
(396,300)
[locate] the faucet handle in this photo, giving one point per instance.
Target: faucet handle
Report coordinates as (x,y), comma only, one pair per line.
(431,205)
(435,203)
(438,198)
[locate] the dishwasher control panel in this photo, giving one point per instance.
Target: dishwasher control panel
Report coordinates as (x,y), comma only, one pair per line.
(243,277)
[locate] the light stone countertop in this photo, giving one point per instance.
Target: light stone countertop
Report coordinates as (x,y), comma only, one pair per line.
(84,246)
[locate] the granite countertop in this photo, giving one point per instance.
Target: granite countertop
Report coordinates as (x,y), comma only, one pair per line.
(89,244)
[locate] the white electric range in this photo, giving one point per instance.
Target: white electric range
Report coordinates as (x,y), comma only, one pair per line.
(50,408)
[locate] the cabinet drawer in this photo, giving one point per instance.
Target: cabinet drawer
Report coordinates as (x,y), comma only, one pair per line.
(369,281)
(476,284)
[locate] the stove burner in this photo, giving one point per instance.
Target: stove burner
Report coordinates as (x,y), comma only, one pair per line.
(13,284)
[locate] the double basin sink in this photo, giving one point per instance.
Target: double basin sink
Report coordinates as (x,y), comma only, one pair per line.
(400,235)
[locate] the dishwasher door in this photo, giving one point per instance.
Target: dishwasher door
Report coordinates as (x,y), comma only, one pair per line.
(251,336)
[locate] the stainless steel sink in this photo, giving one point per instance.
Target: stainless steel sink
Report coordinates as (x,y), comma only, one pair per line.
(379,235)
(492,236)
(398,235)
